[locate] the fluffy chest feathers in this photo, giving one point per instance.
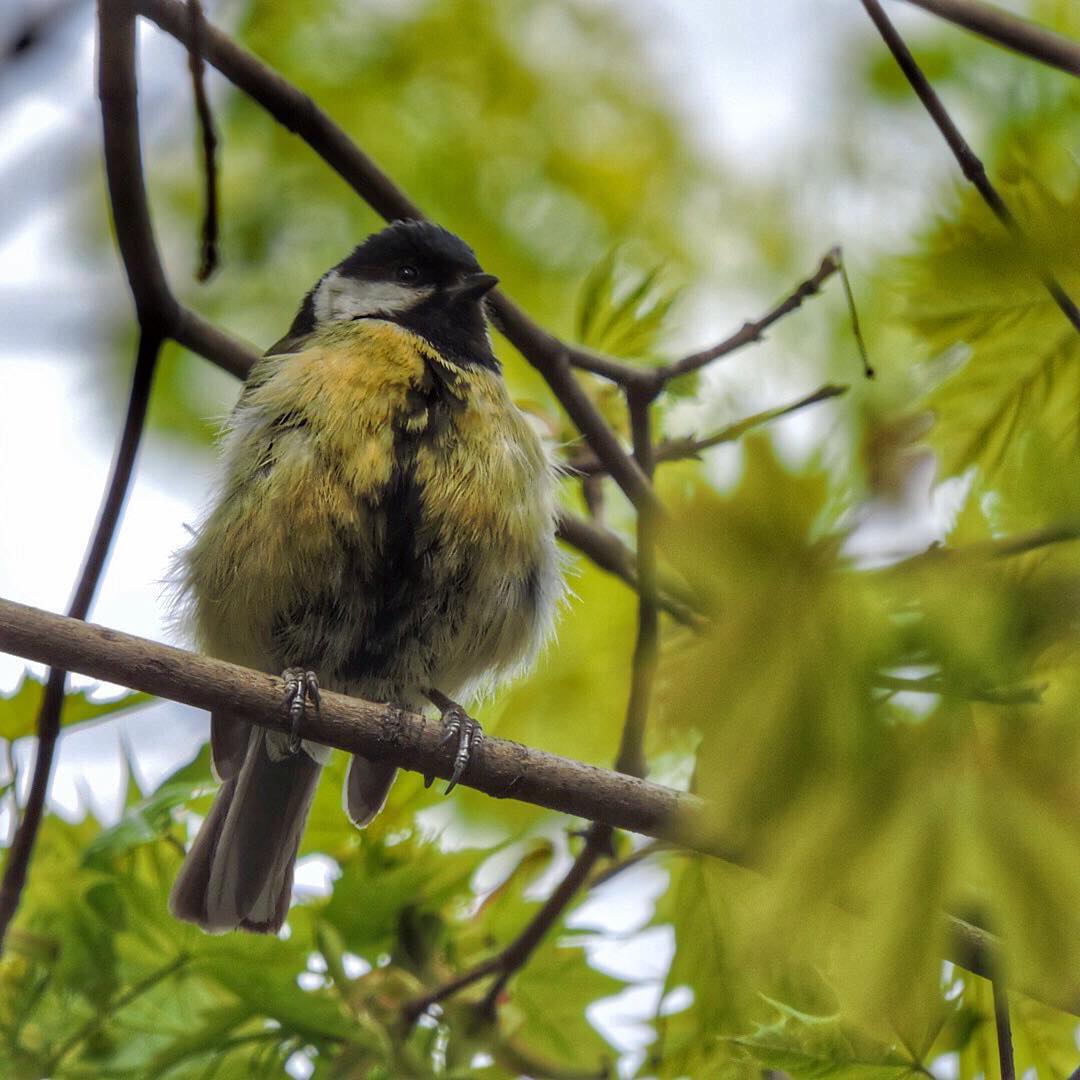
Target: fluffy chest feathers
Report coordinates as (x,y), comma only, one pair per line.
(385,518)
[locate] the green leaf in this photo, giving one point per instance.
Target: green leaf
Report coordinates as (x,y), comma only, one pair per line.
(810,1047)
(551,995)
(143,823)
(623,311)
(382,892)
(975,292)
(257,977)
(19,710)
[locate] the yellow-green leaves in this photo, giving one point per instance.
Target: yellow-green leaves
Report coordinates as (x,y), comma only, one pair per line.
(19,709)
(623,311)
(884,746)
(976,299)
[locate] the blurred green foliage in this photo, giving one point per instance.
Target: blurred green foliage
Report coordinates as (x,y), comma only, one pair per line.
(882,741)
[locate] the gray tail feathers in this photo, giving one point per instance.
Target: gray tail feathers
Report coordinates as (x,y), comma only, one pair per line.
(366,787)
(239,871)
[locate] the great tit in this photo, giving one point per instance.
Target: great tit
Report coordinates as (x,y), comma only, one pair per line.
(384,527)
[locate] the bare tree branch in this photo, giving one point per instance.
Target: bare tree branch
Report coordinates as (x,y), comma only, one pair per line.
(155,307)
(380,732)
(750,332)
(1004,547)
(1003,1026)
(1004,28)
(607,551)
(48,718)
(972,168)
(631,757)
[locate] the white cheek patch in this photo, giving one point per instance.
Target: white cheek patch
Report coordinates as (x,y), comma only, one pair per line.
(339,298)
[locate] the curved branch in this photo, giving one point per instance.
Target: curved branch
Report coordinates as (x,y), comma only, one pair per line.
(155,304)
(48,719)
(156,310)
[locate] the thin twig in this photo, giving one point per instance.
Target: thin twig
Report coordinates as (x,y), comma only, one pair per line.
(691,446)
(1005,547)
(853,315)
(631,757)
(514,957)
(1004,1031)
(676,449)
(972,168)
(504,770)
(209,258)
(48,718)
(1004,28)
(1008,546)
(752,331)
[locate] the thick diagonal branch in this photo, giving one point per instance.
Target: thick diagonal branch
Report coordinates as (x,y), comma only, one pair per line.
(503,769)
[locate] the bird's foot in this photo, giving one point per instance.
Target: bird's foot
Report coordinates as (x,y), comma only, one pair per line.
(461,728)
(301,687)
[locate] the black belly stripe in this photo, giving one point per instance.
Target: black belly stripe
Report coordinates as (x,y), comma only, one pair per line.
(400,587)
(393,588)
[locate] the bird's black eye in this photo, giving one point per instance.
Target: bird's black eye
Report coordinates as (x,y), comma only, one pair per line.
(407,272)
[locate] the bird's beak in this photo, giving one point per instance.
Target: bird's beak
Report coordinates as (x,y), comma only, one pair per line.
(472,287)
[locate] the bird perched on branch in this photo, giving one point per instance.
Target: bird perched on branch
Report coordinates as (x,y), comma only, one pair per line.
(384,527)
